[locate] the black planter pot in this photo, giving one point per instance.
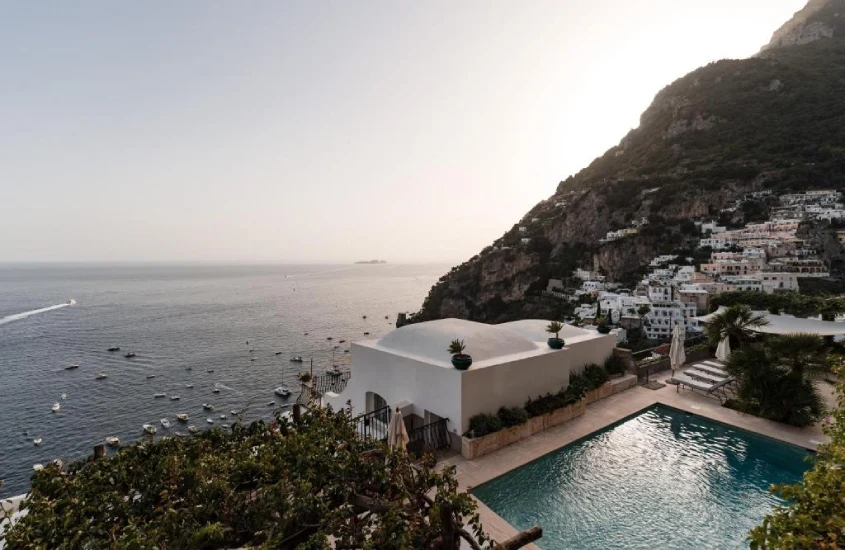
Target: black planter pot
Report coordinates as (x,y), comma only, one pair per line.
(555,343)
(462,361)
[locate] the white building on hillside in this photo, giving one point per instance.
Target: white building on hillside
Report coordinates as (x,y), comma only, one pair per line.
(511,362)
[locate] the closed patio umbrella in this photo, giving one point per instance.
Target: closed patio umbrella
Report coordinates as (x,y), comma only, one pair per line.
(397,435)
(677,356)
(723,351)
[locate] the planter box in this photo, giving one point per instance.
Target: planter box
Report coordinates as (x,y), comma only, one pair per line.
(480,446)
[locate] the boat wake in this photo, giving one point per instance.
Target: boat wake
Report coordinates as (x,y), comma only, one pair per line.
(25,314)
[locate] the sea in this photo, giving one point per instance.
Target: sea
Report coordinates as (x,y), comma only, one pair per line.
(242,322)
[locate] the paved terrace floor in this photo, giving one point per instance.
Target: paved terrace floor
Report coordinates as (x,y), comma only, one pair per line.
(471,473)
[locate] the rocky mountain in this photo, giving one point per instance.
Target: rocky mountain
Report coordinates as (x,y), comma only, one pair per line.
(774,121)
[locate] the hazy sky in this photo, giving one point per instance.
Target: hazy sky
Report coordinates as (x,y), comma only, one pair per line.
(323,131)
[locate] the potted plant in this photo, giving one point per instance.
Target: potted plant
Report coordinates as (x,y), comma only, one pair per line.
(460,360)
(554,328)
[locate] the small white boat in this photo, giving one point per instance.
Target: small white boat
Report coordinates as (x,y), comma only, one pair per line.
(223,417)
(282,391)
(235,412)
(296,359)
(149,428)
(165,423)
(36,441)
(334,371)
(64,396)
(224,426)
(183,417)
(129,355)
(209,420)
(253,358)
(193,429)
(150,376)
(189,385)
(215,390)
(37,467)
(160,395)
(101,376)
(175,398)
(208,406)
(112,441)
(271,403)
(55,407)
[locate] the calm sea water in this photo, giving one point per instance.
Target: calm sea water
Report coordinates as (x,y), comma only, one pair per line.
(663,479)
(181,321)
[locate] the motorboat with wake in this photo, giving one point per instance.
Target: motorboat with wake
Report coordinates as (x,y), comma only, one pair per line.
(215,390)
(101,376)
(36,441)
(150,376)
(149,429)
(175,398)
(282,391)
(210,420)
(160,395)
(165,423)
(114,348)
(55,407)
(182,417)
(208,406)
(72,366)
(189,386)
(112,441)
(296,359)
(334,371)
(129,355)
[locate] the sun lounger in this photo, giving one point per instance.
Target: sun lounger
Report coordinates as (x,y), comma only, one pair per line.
(695,372)
(715,364)
(711,370)
(704,385)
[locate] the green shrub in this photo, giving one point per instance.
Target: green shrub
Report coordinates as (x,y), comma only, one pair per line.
(544,404)
(614,365)
(577,388)
(595,376)
(483,424)
(512,416)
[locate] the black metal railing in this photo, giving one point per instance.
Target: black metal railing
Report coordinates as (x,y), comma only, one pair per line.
(646,353)
(429,438)
(329,383)
(374,424)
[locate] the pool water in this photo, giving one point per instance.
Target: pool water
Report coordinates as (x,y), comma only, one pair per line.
(660,479)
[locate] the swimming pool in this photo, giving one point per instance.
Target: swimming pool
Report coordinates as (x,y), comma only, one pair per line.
(660,479)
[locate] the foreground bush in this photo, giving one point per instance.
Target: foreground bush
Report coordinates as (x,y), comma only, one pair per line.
(482,424)
(293,485)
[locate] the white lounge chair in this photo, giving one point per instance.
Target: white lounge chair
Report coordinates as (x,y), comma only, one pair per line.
(711,370)
(706,385)
(706,374)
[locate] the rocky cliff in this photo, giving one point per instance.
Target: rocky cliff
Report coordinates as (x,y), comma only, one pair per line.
(775,121)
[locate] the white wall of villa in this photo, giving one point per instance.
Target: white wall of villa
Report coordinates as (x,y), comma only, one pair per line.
(511,362)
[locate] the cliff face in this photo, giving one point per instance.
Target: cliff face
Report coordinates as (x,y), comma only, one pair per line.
(775,121)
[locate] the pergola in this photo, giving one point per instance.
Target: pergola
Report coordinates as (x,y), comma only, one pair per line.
(788,324)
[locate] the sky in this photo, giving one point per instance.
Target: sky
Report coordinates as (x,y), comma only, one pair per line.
(323,131)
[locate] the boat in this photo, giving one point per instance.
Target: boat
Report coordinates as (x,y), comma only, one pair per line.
(296,359)
(223,417)
(193,429)
(129,355)
(251,350)
(208,406)
(101,376)
(55,407)
(215,390)
(363,316)
(64,396)
(224,426)
(210,370)
(175,398)
(160,395)
(178,434)
(149,428)
(165,423)
(386,317)
(334,371)
(112,441)
(36,441)
(253,358)
(114,348)
(271,404)
(235,412)
(341,341)
(366,334)
(282,391)
(278,353)
(210,420)
(306,334)
(189,368)
(72,366)
(182,417)
(150,376)
(189,385)
(329,338)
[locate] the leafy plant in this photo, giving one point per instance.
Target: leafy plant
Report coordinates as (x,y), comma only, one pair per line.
(595,376)
(577,387)
(290,484)
(554,328)
(512,416)
(483,423)
(736,322)
(457,347)
(614,365)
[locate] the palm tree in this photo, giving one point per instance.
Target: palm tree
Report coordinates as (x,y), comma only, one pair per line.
(802,354)
(735,322)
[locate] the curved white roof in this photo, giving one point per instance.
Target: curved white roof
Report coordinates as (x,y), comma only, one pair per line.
(535,329)
(430,340)
(787,324)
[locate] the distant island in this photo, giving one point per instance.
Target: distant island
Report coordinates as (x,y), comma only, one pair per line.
(371,262)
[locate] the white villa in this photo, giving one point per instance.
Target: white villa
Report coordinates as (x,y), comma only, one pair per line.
(410,367)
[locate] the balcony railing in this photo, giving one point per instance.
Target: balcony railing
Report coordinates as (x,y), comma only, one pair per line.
(429,438)
(374,424)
